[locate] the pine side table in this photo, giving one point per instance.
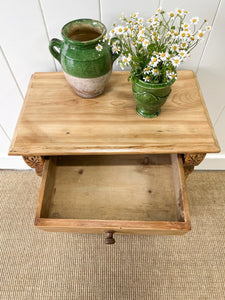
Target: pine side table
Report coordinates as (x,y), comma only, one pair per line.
(104,168)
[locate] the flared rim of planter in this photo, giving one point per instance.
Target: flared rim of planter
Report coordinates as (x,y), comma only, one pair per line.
(154,85)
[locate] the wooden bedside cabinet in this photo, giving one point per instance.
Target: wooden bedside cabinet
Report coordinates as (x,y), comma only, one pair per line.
(105,168)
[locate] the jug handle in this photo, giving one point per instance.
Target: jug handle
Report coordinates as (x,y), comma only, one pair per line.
(55,43)
(115,55)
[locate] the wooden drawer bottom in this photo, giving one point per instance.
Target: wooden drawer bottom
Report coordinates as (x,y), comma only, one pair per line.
(142,194)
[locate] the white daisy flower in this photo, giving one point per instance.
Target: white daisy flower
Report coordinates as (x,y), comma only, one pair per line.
(155,72)
(112,32)
(135,15)
(150,20)
(162,56)
(185,12)
(194,20)
(129,57)
(185,26)
(153,62)
(171,14)
(125,60)
(200,34)
(176,60)
(208,28)
(99,47)
(147,78)
(159,10)
(174,47)
(171,75)
(146,70)
(179,12)
(183,54)
(121,66)
(145,43)
(115,49)
(183,34)
(141,33)
(119,30)
(140,20)
(122,16)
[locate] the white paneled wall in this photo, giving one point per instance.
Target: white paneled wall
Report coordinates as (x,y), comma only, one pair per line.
(26,26)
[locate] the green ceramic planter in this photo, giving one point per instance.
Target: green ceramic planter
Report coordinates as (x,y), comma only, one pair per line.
(150,97)
(85,68)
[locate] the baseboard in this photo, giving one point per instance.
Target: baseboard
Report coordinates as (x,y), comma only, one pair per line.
(212,162)
(13,162)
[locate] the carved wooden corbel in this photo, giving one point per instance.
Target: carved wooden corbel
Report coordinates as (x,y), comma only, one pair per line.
(35,162)
(191,160)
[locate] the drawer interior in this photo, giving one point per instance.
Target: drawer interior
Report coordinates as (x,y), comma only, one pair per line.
(112,187)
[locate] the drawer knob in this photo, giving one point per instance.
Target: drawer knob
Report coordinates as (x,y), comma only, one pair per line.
(109,240)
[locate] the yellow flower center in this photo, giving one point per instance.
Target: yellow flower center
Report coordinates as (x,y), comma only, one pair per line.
(185,11)
(147,77)
(146,42)
(125,60)
(179,11)
(192,38)
(163,54)
(112,31)
(156,19)
(172,31)
(185,25)
(125,29)
(176,33)
(155,38)
(134,43)
(184,45)
(155,71)
(171,14)
(201,34)
(194,20)
(134,15)
(176,61)
(173,75)
(120,29)
(183,34)
(154,33)
(174,47)
(154,59)
(149,20)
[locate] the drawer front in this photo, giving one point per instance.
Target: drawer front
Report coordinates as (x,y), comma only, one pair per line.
(136,194)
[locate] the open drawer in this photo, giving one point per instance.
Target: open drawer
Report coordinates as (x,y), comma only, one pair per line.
(138,194)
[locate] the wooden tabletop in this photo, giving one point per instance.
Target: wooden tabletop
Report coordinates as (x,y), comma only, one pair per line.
(55,121)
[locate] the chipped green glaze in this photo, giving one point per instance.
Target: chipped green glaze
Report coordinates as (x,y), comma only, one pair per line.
(150,97)
(80,58)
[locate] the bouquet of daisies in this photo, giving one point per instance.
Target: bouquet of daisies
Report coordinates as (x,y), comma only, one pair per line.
(155,47)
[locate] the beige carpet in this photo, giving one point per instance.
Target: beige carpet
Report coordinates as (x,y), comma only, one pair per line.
(42,265)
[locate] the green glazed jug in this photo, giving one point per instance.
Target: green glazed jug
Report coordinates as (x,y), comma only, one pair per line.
(85,56)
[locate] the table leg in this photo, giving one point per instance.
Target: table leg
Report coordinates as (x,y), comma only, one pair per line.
(191,160)
(35,162)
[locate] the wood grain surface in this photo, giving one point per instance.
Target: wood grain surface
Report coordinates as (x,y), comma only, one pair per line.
(119,193)
(55,121)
